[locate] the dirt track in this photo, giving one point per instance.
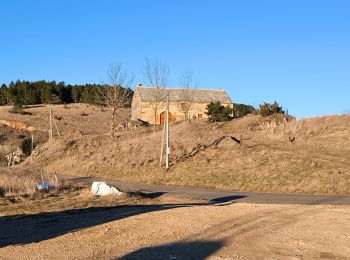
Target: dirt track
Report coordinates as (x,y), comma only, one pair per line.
(181,231)
(222,196)
(214,195)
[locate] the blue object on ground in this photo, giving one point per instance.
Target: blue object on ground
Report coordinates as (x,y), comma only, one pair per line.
(44,186)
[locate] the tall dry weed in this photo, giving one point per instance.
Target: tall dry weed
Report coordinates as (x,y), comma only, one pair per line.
(14,185)
(24,185)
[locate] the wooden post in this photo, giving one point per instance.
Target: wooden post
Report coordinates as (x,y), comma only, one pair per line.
(54,121)
(54,174)
(32,147)
(32,144)
(50,130)
(42,177)
(241,142)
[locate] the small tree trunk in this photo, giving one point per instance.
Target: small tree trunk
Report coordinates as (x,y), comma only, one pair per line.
(113,126)
(155,121)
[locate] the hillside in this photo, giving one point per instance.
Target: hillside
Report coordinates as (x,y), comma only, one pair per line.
(317,160)
(83,118)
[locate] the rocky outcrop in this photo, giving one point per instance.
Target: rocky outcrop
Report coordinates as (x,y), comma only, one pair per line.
(19,125)
(271,122)
(130,125)
(15,157)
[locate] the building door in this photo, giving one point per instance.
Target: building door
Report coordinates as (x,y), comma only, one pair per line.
(163,117)
(200,115)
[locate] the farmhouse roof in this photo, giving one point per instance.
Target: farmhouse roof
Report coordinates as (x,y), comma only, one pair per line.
(176,94)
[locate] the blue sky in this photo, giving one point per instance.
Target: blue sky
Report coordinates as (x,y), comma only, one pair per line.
(295,52)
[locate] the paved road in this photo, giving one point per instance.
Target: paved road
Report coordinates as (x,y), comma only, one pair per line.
(216,195)
(225,196)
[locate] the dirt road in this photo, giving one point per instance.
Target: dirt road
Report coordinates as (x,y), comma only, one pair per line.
(222,196)
(215,195)
(180,231)
(79,226)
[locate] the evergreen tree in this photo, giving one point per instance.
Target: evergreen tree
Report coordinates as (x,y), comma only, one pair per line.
(21,93)
(218,112)
(267,109)
(3,95)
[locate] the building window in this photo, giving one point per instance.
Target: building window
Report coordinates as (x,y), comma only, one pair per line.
(200,115)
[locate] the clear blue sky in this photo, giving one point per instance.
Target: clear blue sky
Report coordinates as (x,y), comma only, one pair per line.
(295,52)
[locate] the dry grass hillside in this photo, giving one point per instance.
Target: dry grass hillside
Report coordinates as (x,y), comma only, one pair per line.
(83,118)
(316,161)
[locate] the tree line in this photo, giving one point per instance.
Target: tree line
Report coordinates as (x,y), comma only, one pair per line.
(23,93)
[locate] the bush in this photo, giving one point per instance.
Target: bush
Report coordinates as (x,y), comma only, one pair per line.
(84,114)
(218,113)
(19,110)
(267,109)
(243,110)
(26,146)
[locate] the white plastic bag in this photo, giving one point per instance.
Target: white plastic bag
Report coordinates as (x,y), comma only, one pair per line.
(102,189)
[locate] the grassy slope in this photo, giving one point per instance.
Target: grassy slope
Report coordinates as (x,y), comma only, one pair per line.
(70,117)
(317,162)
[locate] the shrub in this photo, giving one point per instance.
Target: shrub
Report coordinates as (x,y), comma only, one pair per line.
(267,109)
(26,146)
(84,114)
(218,113)
(18,109)
(243,110)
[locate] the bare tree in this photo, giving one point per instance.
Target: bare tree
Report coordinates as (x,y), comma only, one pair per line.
(157,74)
(187,93)
(116,94)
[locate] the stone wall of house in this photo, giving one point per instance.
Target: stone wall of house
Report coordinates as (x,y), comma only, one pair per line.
(136,106)
(147,112)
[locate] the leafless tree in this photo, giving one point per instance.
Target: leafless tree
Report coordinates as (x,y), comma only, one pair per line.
(157,74)
(116,94)
(187,93)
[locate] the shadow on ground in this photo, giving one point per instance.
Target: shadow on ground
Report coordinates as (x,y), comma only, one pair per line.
(23,229)
(225,200)
(180,250)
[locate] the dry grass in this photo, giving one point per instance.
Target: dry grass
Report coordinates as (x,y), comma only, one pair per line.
(87,119)
(66,199)
(17,186)
(317,162)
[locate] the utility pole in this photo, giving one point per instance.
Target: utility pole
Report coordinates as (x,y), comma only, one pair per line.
(167,150)
(162,147)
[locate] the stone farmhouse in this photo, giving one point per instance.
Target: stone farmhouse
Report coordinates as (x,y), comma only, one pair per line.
(143,102)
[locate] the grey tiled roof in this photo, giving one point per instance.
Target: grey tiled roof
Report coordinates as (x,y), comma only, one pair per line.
(176,94)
